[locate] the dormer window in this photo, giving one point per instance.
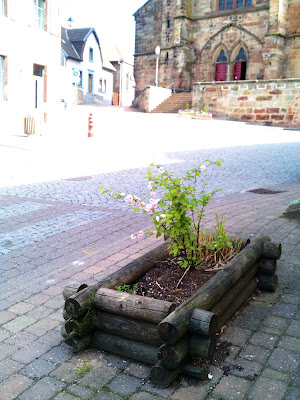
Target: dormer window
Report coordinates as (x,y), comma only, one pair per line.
(231,4)
(91,54)
(39,13)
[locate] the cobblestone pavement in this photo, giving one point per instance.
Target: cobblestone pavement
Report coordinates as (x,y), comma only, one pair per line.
(49,244)
(244,168)
(61,233)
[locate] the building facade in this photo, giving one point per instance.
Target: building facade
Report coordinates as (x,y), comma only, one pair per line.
(81,51)
(124,83)
(216,40)
(29,64)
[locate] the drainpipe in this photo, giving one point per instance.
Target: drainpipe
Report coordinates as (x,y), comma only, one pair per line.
(120,83)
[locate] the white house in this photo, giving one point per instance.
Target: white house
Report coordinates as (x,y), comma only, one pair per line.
(29,64)
(81,50)
(124,82)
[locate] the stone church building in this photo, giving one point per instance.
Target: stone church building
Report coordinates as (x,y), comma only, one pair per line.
(216,40)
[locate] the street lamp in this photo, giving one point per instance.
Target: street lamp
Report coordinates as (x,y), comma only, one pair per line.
(157,52)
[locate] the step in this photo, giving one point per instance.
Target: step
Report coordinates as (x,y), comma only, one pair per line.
(174,103)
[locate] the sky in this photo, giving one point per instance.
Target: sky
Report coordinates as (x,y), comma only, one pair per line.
(112,20)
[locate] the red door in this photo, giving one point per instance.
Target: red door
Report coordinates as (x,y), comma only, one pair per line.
(237,71)
(221,72)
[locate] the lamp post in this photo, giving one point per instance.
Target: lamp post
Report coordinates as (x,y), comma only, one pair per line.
(157,52)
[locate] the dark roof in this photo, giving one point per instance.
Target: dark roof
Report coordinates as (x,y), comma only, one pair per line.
(67,46)
(74,40)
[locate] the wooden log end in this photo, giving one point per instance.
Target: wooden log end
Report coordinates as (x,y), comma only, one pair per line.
(69,326)
(162,377)
(78,343)
(267,282)
(172,356)
(70,290)
(79,303)
(66,316)
(202,346)
(203,322)
(167,331)
(272,250)
(267,266)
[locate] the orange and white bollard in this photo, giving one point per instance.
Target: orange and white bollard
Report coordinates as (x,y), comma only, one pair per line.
(90,126)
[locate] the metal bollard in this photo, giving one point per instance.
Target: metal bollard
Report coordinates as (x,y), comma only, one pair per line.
(90,126)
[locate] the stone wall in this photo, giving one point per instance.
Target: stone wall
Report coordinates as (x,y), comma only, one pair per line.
(272,102)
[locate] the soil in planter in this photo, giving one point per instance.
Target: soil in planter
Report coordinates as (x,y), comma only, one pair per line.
(160,282)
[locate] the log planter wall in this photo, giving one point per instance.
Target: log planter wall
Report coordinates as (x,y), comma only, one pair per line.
(154,331)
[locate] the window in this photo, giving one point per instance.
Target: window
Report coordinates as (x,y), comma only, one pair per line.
(102,85)
(240,66)
(2,78)
(3,7)
(167,59)
(38,70)
(221,67)
(40,13)
(231,4)
(127,81)
(90,82)
(91,54)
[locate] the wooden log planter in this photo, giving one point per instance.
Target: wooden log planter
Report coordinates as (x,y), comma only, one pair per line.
(154,331)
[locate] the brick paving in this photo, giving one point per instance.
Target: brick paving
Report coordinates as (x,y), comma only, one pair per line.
(48,243)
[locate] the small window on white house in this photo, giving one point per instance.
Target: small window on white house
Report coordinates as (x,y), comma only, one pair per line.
(102,85)
(39,13)
(127,82)
(91,54)
(2,78)
(38,70)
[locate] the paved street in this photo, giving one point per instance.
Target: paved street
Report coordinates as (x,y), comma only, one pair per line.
(56,230)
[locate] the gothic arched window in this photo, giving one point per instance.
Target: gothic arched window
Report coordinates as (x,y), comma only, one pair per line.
(240,66)
(221,67)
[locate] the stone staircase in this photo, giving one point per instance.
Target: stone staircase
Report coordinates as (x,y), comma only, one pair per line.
(177,101)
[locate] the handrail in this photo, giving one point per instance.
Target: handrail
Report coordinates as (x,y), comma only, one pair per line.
(172,84)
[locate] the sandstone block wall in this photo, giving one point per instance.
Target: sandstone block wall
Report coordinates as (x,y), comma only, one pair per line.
(272,102)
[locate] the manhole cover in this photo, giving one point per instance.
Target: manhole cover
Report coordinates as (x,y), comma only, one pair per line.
(265,191)
(80,178)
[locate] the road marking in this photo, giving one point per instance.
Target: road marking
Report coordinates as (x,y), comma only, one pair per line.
(90,252)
